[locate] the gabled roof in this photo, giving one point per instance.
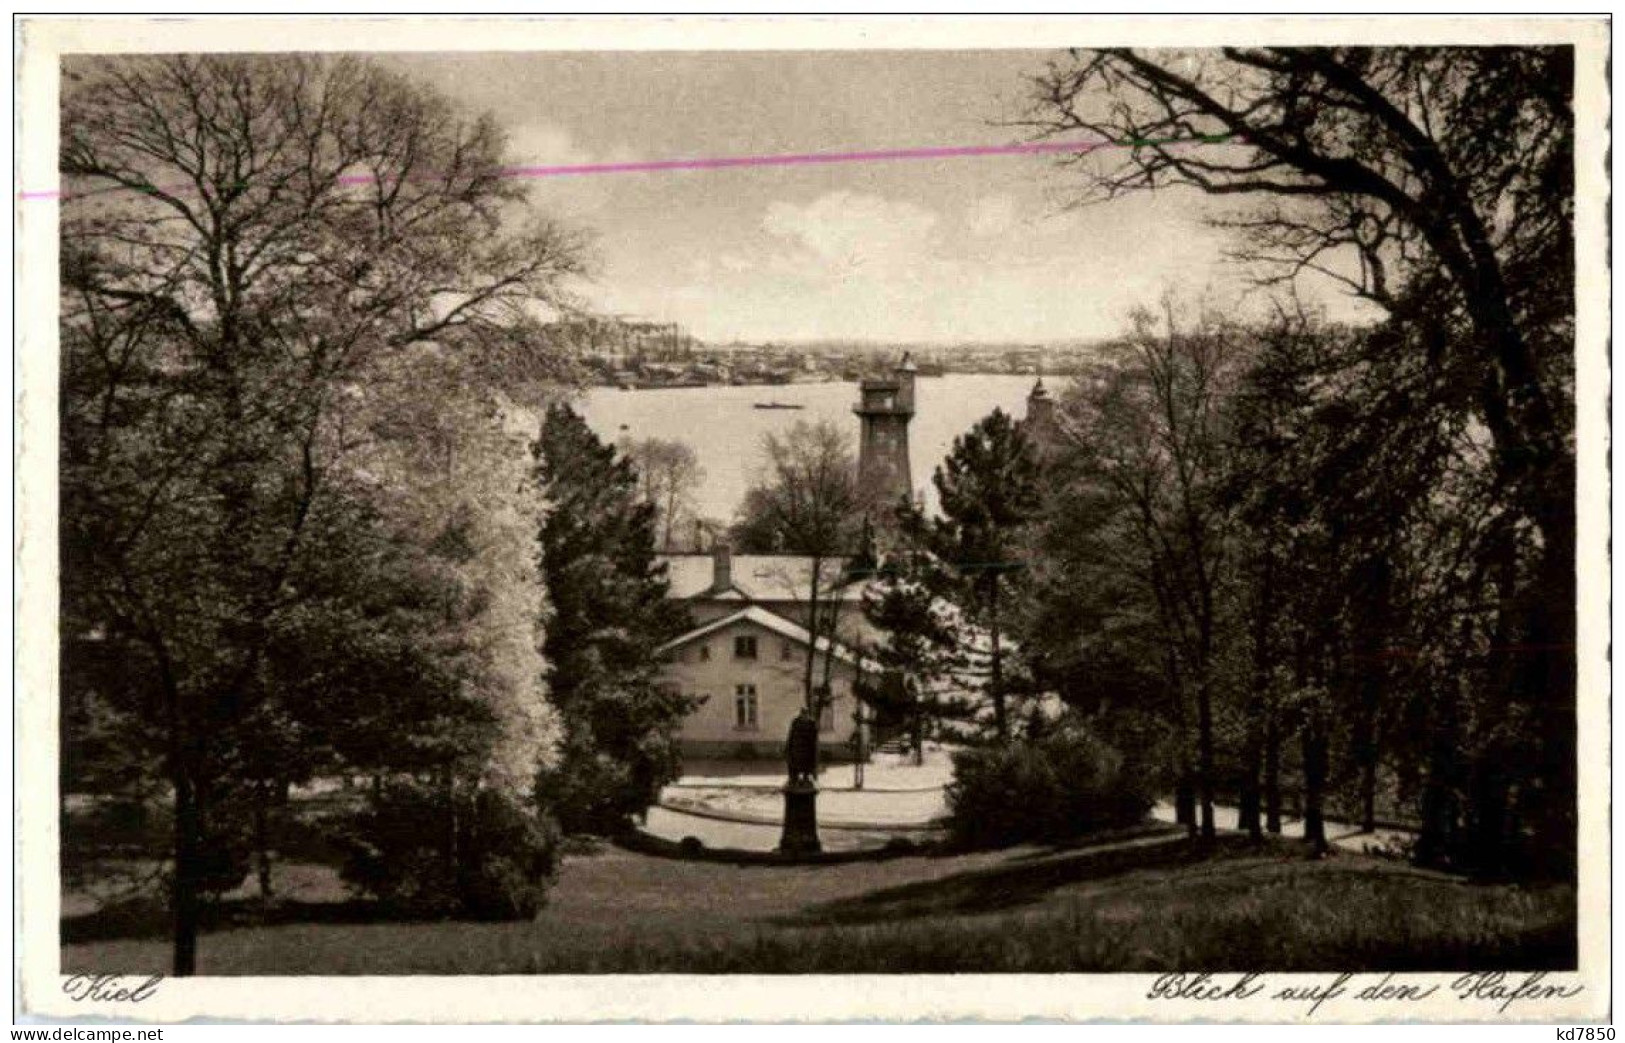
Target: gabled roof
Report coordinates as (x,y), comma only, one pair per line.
(757,577)
(769,620)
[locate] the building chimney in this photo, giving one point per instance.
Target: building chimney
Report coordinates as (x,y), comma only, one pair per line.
(722,566)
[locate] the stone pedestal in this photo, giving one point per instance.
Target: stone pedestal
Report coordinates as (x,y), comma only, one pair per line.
(800,835)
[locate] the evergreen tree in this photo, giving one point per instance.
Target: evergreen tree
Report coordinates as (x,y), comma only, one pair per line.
(989,490)
(920,658)
(608,613)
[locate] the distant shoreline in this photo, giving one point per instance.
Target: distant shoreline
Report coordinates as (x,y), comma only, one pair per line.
(648,385)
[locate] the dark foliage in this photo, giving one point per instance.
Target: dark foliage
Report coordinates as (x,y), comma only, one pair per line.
(1402,581)
(990,495)
(607,615)
(1064,785)
(494,861)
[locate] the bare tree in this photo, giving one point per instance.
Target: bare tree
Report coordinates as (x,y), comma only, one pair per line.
(669,473)
(809,503)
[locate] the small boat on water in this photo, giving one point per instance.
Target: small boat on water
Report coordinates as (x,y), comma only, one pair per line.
(778,405)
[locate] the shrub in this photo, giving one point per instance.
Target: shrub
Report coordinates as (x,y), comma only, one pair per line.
(584,845)
(222,863)
(591,793)
(1064,785)
(484,856)
(113,826)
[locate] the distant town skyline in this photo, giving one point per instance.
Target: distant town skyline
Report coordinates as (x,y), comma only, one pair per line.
(946,251)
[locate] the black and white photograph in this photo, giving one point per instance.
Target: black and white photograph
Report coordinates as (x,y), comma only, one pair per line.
(543,502)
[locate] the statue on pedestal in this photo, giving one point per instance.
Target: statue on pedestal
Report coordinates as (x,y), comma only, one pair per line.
(800,836)
(801,748)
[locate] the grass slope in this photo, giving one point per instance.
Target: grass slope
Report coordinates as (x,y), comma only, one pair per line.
(1150,905)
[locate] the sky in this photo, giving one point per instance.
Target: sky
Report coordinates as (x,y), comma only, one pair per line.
(943,250)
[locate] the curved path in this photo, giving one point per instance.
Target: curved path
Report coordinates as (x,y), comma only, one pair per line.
(860,809)
(718,831)
(1345,835)
(714,832)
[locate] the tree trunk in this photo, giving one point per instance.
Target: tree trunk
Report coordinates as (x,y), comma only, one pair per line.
(1436,843)
(1185,798)
(812,629)
(1001,726)
(1249,808)
(1549,681)
(1313,783)
(1184,781)
(1373,669)
(833,615)
(1250,816)
(1488,810)
(1490,789)
(1205,767)
(1272,771)
(184,896)
(262,839)
(1438,802)
(1314,774)
(827,689)
(1368,782)
(449,787)
(1204,687)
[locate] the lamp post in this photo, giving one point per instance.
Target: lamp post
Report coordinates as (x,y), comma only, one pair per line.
(860,751)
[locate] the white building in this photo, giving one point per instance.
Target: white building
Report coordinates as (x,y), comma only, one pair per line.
(747,654)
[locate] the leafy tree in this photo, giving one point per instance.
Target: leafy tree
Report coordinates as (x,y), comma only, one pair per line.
(1446,176)
(669,472)
(1391,553)
(243,238)
(1149,443)
(608,611)
(919,660)
(1094,632)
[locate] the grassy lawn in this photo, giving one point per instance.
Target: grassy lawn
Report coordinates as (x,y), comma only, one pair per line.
(1152,905)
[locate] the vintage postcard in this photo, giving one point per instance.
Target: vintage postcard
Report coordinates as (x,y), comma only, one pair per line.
(912,519)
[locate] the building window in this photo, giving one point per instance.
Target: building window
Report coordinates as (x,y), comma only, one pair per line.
(745,706)
(787,650)
(744,648)
(705,653)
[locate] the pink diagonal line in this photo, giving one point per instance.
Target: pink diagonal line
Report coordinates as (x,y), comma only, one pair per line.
(795,158)
(780,160)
